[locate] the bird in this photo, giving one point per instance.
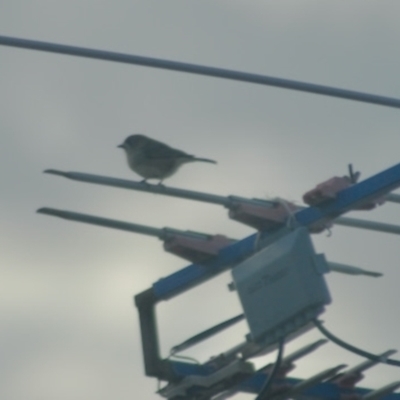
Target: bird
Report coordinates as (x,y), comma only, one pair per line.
(152,159)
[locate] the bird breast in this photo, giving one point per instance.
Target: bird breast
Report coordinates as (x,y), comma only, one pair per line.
(155,168)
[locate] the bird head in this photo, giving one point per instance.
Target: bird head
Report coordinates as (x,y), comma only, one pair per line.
(134,142)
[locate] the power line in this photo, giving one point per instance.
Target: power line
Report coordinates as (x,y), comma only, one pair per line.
(199,70)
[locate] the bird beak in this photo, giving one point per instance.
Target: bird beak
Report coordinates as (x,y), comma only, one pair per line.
(122,146)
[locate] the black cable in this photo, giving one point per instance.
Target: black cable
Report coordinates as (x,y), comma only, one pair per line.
(353,349)
(199,69)
(267,385)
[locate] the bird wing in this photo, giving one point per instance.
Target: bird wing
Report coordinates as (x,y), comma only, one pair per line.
(158,150)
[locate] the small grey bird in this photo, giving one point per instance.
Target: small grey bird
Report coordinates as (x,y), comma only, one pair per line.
(152,159)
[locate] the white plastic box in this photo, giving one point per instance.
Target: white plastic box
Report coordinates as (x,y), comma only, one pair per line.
(282,287)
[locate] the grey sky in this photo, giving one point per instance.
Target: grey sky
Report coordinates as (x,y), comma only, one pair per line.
(68,329)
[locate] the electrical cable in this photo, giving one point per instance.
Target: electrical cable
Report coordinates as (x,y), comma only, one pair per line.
(267,385)
(353,349)
(199,70)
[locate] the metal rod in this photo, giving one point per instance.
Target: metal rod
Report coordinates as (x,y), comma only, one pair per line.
(291,358)
(163,233)
(109,223)
(142,187)
(249,349)
(307,383)
(370,225)
(393,197)
(211,198)
(206,334)
(381,392)
(199,70)
(365,365)
(350,270)
(154,365)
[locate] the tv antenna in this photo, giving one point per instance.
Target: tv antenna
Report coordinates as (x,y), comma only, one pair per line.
(275,269)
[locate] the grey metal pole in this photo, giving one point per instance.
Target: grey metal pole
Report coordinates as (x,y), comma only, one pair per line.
(226,201)
(163,234)
(393,197)
(382,392)
(307,383)
(366,364)
(370,225)
(199,70)
(99,221)
(350,270)
(142,187)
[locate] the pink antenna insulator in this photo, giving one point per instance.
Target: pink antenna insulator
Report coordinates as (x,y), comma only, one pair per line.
(193,249)
(260,216)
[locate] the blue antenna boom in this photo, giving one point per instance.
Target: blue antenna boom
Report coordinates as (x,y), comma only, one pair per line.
(379,184)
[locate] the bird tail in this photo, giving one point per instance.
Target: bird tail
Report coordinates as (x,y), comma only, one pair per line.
(204,160)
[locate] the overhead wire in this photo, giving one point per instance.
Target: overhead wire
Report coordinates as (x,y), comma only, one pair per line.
(199,70)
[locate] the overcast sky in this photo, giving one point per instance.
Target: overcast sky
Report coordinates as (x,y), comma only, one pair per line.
(68,327)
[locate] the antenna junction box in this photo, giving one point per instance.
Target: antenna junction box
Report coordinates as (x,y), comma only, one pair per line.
(282,287)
